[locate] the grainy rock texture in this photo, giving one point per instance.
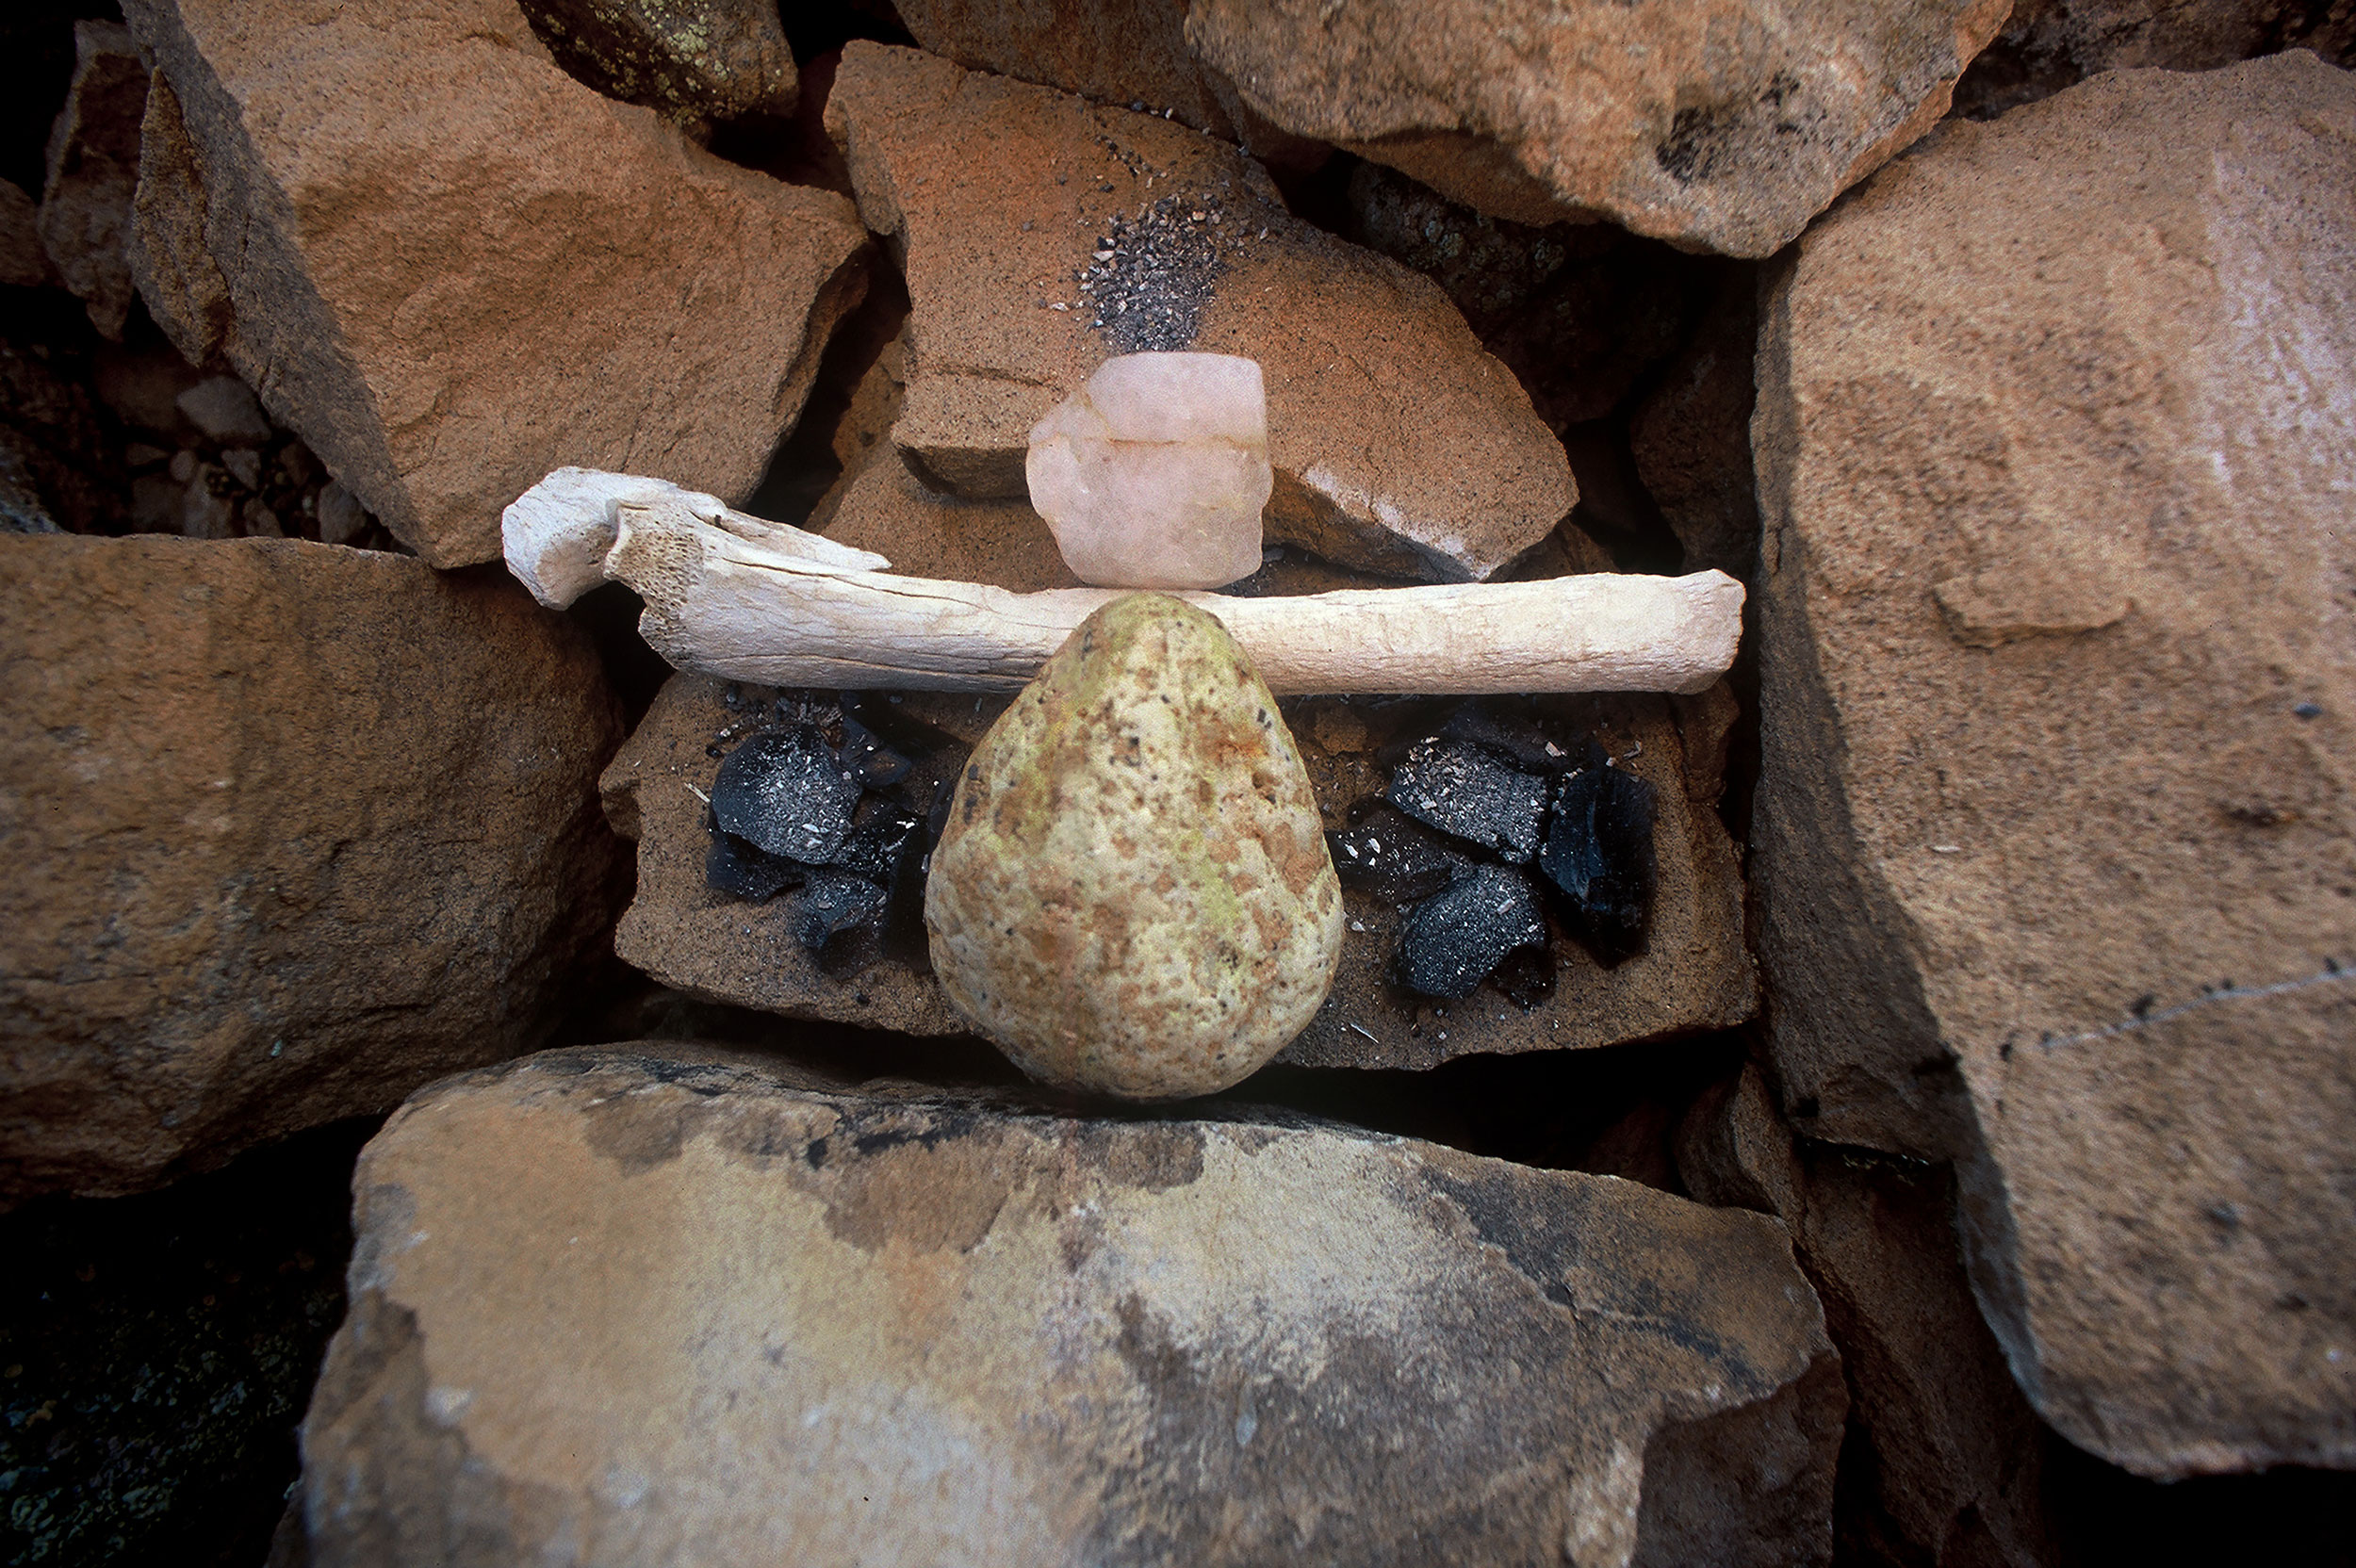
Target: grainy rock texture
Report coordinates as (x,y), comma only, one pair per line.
(2055,839)
(689,1308)
(1042,234)
(1125,53)
(1718,126)
(690,60)
(291,830)
(23,264)
(93,169)
(1955,1472)
(1132,894)
(449,268)
(1691,436)
(2050,44)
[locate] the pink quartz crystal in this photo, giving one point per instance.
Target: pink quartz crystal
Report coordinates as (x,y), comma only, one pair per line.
(1153,474)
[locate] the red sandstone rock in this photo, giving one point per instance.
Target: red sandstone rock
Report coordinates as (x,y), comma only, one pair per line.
(450,269)
(291,830)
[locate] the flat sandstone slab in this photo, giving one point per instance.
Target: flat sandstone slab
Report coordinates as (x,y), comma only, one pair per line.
(290,830)
(1400,445)
(1695,974)
(659,1305)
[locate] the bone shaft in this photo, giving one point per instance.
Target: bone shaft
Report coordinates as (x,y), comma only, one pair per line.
(1609,634)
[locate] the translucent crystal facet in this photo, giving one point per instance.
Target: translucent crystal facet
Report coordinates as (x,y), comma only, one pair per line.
(1152,475)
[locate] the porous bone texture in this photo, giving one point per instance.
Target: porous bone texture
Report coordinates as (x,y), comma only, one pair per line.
(657,1306)
(2056,826)
(1154,473)
(1132,894)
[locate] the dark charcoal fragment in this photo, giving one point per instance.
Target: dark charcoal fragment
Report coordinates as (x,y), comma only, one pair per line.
(1451,942)
(1465,790)
(1514,738)
(733,867)
(875,765)
(833,903)
(1599,857)
(788,793)
(1526,976)
(1392,856)
(878,846)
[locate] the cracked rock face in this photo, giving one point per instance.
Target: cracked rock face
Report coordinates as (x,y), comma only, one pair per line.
(451,269)
(2056,826)
(664,1305)
(269,863)
(1716,126)
(1042,234)
(1132,895)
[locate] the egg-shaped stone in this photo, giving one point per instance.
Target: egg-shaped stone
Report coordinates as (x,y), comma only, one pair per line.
(1133,894)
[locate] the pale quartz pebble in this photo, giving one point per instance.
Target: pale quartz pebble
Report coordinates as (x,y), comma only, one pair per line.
(1154,473)
(1132,895)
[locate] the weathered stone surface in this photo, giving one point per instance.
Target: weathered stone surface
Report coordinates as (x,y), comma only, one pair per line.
(1124,53)
(1132,894)
(1578,312)
(93,169)
(694,1308)
(2047,45)
(451,269)
(1129,54)
(55,458)
(1723,128)
(886,509)
(1398,445)
(690,60)
(2056,835)
(291,829)
(1953,1474)
(1154,473)
(1691,436)
(23,262)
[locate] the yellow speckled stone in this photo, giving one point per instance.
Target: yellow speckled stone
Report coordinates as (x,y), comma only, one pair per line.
(1133,895)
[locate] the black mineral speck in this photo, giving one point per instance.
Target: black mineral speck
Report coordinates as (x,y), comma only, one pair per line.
(1392,856)
(1468,792)
(786,793)
(733,867)
(833,902)
(1452,941)
(1153,275)
(1599,857)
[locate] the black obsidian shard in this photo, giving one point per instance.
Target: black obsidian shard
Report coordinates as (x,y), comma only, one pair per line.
(733,867)
(1468,792)
(1600,855)
(1392,856)
(1452,941)
(786,793)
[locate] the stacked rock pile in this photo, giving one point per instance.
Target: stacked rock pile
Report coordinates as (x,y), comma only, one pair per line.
(1893,1105)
